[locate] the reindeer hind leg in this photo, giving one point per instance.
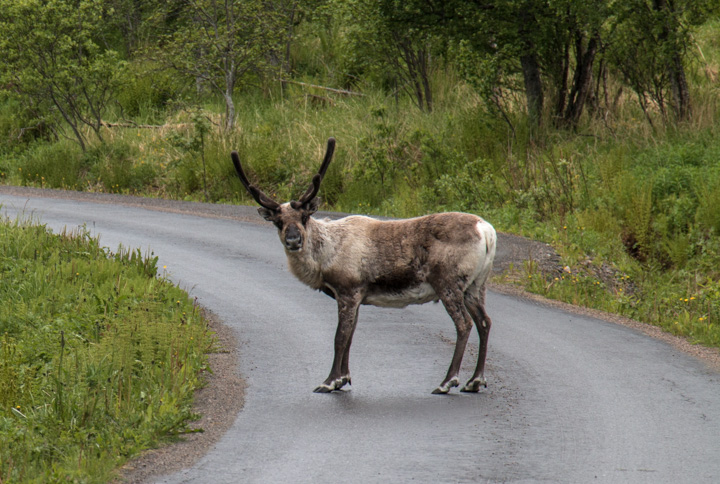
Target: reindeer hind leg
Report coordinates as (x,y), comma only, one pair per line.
(453,302)
(475,304)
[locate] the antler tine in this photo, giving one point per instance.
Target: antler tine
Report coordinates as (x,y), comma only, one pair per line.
(328,157)
(256,193)
(238,168)
(317,178)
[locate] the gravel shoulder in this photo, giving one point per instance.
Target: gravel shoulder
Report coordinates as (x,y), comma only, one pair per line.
(222,398)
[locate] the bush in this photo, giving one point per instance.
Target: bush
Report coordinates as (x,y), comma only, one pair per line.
(148,90)
(17,127)
(118,168)
(57,165)
(708,195)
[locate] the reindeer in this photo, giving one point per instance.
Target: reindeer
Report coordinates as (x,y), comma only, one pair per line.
(360,260)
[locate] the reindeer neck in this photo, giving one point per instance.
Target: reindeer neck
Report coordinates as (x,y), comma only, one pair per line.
(307,264)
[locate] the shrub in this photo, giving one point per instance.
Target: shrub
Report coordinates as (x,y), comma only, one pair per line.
(147,91)
(57,165)
(708,194)
(118,168)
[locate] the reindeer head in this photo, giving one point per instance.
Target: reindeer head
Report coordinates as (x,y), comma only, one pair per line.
(290,218)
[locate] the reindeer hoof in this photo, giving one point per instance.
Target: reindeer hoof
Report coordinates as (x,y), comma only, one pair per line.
(445,388)
(473,386)
(342,381)
(325,388)
(336,384)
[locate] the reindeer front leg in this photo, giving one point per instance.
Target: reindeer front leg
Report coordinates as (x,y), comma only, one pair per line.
(348,305)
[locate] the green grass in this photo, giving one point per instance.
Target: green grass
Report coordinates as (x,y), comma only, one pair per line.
(99,357)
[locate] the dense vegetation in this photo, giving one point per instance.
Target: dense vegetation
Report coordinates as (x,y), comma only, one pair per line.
(99,358)
(590,124)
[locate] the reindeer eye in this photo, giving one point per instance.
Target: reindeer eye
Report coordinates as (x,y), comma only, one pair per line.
(278,223)
(305,218)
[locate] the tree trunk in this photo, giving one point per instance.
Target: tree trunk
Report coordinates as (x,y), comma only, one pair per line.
(533,87)
(229,111)
(675,69)
(415,71)
(679,89)
(425,78)
(287,62)
(229,104)
(582,82)
(562,81)
(529,63)
(68,118)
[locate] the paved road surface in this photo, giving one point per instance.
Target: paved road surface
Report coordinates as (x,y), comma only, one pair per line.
(570,398)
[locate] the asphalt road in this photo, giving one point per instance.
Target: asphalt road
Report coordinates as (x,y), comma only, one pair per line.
(570,398)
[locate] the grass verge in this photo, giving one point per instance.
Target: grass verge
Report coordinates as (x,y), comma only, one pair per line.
(99,357)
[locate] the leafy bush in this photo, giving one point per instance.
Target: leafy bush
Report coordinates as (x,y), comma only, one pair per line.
(18,127)
(117,168)
(708,195)
(147,91)
(57,165)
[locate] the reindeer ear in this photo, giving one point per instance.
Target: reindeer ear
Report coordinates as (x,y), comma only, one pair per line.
(266,213)
(313,205)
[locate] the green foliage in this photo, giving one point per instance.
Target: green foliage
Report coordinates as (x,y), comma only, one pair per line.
(381,155)
(648,43)
(54,63)
(193,146)
(654,213)
(707,214)
(147,91)
(57,165)
(116,168)
(98,356)
(222,44)
(385,42)
(109,167)
(19,126)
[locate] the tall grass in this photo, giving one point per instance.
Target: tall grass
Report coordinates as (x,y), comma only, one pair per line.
(98,356)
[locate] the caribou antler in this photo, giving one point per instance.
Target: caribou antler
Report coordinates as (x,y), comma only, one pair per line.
(257,194)
(317,178)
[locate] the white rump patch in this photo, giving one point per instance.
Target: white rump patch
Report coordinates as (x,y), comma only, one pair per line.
(488,238)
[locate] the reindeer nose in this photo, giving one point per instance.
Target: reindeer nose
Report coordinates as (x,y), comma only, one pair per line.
(293,239)
(293,242)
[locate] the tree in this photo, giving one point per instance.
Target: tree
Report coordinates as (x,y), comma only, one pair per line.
(573,39)
(544,43)
(501,37)
(129,22)
(221,43)
(649,45)
(54,64)
(392,42)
